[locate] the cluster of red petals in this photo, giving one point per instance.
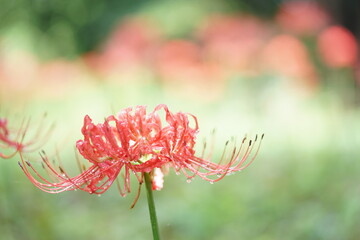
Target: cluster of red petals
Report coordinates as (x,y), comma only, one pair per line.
(137,142)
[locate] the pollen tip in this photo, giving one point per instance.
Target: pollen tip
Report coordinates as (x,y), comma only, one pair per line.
(20,165)
(262,136)
(250,142)
(28,163)
(227,142)
(256,136)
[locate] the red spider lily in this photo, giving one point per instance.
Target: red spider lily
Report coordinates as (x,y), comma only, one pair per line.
(136,142)
(338,47)
(15,139)
(302,17)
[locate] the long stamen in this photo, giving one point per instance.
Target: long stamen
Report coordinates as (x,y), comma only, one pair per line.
(138,192)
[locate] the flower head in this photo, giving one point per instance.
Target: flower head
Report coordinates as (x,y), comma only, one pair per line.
(14,138)
(138,143)
(302,17)
(338,47)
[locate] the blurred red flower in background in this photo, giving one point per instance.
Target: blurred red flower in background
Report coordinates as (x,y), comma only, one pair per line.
(232,42)
(338,47)
(287,55)
(136,142)
(302,17)
(176,56)
(12,79)
(60,77)
(182,67)
(129,47)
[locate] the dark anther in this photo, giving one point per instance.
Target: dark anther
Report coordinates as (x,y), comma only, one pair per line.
(20,165)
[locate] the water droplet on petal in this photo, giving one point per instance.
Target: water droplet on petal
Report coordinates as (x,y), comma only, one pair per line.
(177,173)
(188,180)
(99,195)
(218,175)
(211,182)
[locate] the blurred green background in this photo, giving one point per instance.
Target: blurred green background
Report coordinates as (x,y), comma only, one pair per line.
(288,69)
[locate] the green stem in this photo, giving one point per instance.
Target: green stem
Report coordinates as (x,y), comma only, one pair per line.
(152,211)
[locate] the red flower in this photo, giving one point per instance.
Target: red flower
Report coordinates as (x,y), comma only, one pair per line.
(302,17)
(136,142)
(285,48)
(15,139)
(338,47)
